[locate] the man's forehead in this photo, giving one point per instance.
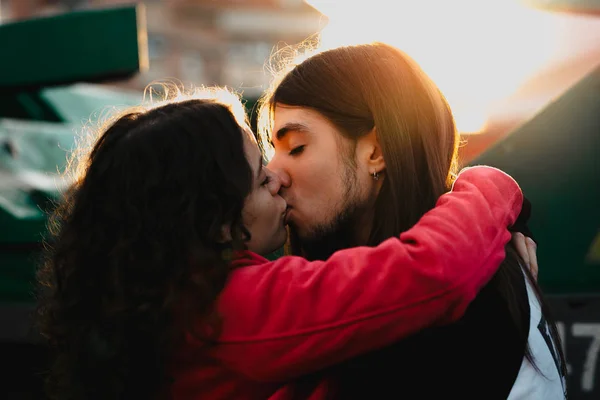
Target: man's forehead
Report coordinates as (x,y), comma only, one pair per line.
(284,113)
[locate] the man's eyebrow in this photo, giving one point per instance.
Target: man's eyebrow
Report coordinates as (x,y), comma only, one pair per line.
(292,126)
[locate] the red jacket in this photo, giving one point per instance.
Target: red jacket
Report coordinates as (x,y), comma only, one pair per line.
(290,317)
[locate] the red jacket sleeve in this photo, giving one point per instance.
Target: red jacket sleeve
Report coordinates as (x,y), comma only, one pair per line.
(289,317)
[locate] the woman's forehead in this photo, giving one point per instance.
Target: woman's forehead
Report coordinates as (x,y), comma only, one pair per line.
(253,153)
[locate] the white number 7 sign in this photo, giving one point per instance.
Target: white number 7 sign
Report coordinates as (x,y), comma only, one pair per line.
(591,359)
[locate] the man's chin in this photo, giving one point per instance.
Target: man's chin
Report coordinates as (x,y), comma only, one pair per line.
(320,243)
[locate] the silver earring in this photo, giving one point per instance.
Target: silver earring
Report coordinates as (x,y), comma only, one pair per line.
(376,175)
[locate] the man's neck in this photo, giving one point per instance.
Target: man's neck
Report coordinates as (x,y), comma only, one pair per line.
(363,226)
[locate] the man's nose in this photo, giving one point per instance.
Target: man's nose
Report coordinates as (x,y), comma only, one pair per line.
(274,183)
(282,175)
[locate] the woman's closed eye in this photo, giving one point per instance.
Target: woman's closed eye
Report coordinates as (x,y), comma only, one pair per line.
(266,181)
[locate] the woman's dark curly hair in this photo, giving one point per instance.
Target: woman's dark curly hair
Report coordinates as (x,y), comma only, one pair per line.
(134,254)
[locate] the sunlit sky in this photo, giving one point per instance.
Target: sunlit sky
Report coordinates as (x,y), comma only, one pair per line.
(477,51)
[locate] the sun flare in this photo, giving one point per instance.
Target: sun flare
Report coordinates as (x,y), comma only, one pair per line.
(478,52)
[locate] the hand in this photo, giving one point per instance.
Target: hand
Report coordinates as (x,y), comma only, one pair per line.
(527,250)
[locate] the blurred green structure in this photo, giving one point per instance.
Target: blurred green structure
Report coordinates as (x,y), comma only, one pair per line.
(43,102)
(47,92)
(555,158)
(32,155)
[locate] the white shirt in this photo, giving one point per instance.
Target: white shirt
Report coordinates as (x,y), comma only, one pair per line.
(530,383)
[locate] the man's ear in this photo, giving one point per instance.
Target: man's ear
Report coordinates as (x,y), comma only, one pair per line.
(369,150)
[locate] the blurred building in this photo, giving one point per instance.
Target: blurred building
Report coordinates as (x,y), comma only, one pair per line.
(225,42)
(209,42)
